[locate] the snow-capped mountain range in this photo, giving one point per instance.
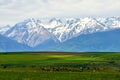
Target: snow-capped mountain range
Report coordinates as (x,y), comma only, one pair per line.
(33,32)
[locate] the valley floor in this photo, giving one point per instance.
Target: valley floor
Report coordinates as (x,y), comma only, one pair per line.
(59,66)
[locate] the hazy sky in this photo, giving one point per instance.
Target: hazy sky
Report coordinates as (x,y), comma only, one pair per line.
(13,11)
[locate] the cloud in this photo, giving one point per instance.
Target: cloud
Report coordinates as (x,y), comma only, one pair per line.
(4,2)
(13,11)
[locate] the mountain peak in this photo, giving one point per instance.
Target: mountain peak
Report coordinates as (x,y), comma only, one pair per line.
(3,29)
(28,24)
(71,20)
(32,20)
(55,20)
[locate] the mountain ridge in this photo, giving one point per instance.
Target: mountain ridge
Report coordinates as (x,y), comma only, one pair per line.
(38,34)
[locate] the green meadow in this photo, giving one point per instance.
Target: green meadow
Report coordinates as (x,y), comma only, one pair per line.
(60,66)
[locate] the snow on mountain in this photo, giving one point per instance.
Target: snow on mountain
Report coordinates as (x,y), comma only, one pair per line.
(74,27)
(110,23)
(3,29)
(53,23)
(34,32)
(29,32)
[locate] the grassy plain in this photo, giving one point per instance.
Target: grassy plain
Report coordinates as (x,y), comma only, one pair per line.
(59,66)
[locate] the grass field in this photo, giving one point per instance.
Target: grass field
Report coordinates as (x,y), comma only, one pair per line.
(59,66)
